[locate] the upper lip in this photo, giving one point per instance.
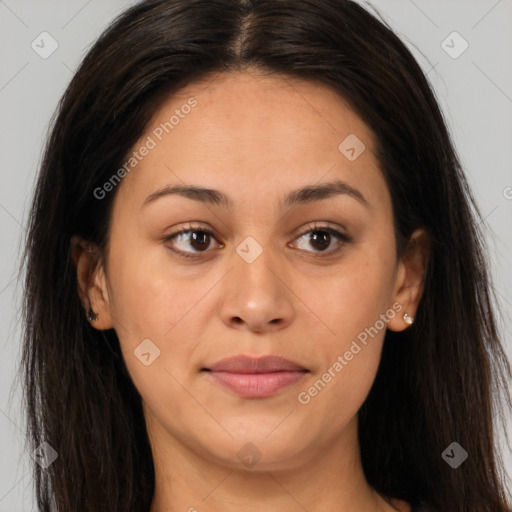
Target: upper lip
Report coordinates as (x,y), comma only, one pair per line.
(248,364)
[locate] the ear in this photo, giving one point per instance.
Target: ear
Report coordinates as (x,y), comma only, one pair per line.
(410,277)
(92,284)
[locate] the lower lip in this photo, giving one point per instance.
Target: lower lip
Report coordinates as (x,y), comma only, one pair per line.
(257,385)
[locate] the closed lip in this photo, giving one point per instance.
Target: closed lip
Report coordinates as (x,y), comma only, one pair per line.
(250,364)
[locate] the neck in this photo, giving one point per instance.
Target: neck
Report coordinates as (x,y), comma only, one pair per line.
(331,479)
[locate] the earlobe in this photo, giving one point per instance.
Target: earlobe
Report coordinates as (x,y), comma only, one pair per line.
(409,320)
(92,316)
(409,282)
(91,283)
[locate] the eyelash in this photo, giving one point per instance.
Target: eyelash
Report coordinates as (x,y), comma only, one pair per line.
(343,239)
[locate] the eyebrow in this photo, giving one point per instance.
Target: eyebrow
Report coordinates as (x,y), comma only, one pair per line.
(304,195)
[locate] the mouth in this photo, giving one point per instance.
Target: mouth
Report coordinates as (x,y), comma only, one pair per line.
(252,377)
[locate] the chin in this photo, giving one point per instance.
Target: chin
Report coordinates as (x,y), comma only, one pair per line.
(252,450)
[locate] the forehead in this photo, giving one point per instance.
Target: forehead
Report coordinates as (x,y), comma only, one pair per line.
(268,105)
(253,132)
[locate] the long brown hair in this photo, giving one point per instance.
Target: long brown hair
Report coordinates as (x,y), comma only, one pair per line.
(442,380)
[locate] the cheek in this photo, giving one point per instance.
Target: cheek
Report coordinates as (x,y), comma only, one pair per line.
(353,308)
(153,299)
(353,297)
(147,297)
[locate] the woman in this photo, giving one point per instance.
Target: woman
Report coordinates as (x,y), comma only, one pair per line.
(324,340)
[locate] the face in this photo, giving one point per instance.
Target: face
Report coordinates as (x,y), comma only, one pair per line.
(308,276)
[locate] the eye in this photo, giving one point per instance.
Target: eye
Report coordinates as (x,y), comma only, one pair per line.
(321,238)
(200,240)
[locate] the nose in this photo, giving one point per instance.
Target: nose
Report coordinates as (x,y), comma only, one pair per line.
(257,295)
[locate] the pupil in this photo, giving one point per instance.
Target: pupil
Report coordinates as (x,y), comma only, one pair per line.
(317,238)
(199,238)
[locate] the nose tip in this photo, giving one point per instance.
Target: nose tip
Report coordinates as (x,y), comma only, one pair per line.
(255,297)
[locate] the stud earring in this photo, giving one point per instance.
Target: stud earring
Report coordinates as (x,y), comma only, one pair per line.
(408,319)
(92,315)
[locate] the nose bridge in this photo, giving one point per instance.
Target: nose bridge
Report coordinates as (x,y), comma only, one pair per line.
(256,261)
(257,255)
(253,230)
(254,290)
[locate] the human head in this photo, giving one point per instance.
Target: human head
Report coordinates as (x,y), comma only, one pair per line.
(152,52)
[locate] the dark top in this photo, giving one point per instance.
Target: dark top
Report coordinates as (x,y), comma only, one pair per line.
(417,508)
(420,509)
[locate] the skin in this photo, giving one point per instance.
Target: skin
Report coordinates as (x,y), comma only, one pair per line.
(255,138)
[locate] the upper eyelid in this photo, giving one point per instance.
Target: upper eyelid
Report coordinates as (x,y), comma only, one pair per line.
(319,226)
(315,225)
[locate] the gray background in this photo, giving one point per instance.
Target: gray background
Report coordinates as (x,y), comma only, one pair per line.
(474,90)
